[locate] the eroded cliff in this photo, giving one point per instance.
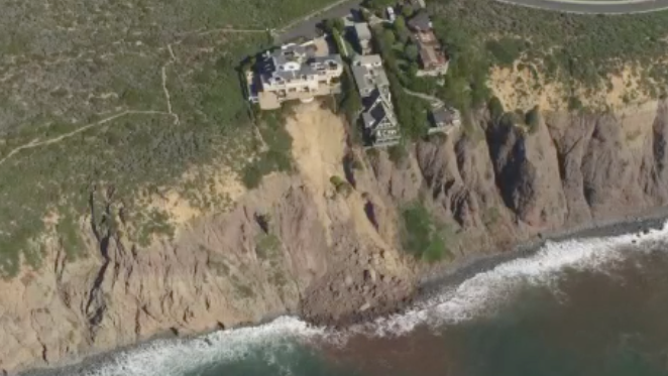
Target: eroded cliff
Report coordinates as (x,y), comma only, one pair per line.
(324,241)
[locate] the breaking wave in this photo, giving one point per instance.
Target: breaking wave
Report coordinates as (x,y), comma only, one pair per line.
(475,296)
(487,290)
(176,357)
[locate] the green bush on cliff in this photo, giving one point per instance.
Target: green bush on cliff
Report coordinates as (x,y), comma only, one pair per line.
(341,186)
(495,108)
(397,154)
(421,235)
(532,119)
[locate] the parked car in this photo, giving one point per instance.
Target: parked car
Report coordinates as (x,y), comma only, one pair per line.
(390,14)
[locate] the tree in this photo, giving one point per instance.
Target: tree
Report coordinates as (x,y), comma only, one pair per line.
(411,52)
(401,29)
(400,24)
(388,38)
(407,11)
(331,24)
(413,69)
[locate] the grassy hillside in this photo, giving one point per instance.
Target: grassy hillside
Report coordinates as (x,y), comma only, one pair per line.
(106,104)
(578,51)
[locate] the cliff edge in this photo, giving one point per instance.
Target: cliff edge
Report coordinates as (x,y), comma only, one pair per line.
(325,241)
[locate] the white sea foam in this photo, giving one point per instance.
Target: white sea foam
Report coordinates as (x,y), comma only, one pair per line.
(475,296)
(177,357)
(484,291)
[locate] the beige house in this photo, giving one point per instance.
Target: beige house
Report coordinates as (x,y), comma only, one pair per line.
(296,72)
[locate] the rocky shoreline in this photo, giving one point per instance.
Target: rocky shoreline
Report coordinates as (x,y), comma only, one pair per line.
(445,277)
(297,245)
(450,275)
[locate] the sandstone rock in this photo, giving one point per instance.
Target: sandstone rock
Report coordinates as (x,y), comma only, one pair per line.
(370,275)
(495,191)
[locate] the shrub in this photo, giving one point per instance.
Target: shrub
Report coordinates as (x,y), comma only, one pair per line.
(372,154)
(331,24)
(421,236)
(267,245)
(252,176)
(510,119)
(532,119)
(341,186)
(495,108)
(397,153)
(574,104)
(411,52)
(506,50)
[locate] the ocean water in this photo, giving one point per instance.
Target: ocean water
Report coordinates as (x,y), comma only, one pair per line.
(594,306)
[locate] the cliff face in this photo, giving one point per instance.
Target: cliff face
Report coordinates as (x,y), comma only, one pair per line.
(304,245)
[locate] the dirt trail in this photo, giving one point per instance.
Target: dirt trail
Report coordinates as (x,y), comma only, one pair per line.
(35,143)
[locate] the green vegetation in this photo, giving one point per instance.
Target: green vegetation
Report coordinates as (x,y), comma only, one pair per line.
(267,245)
(140,101)
(333,24)
(532,119)
(465,85)
(274,155)
(379,5)
(412,112)
(349,104)
(575,50)
(397,154)
(491,216)
(506,51)
(422,236)
(341,186)
(495,108)
(136,154)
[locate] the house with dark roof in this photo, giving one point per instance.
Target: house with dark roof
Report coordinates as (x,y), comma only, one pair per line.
(380,126)
(444,119)
(420,22)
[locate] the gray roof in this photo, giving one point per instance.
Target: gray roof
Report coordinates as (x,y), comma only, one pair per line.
(368,60)
(304,56)
(369,78)
(443,116)
(359,73)
(420,21)
(289,53)
(368,119)
(362,31)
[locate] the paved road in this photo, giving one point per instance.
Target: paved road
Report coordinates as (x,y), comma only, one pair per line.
(594,7)
(307,27)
